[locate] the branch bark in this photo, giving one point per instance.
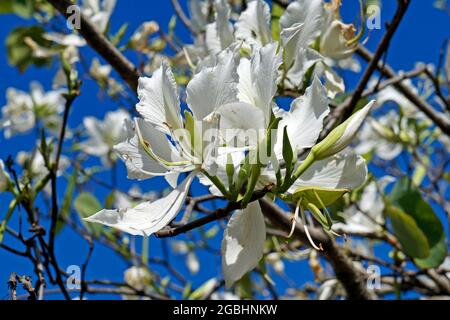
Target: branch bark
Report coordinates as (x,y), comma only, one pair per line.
(127,71)
(344,110)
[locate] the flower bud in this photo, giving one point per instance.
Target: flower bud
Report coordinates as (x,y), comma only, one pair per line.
(341,136)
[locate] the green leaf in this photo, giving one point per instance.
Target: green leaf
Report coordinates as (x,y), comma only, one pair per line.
(20,54)
(408,233)
(408,199)
(6,6)
(437,255)
(172,25)
(22,8)
(86,204)
(187,290)
(115,40)
(244,287)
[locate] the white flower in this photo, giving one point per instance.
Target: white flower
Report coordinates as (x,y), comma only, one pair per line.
(4,178)
(224,296)
(98,12)
(67,40)
(35,168)
(156,145)
(148,217)
(138,278)
(243,242)
(132,197)
(71,55)
(139,39)
(104,135)
(305,18)
(328,290)
(338,41)
(226,95)
(23,110)
(274,259)
(367,217)
(36,165)
(192,263)
(253,25)
(381,136)
(219,34)
(302,23)
(99,71)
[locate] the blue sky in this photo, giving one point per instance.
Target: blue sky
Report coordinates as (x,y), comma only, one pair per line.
(419,38)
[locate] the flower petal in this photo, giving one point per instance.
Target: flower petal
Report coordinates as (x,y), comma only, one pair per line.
(306,12)
(139,164)
(341,171)
(147,217)
(243,242)
(219,34)
(213,87)
(253,25)
(305,119)
(258,78)
(235,124)
(158,100)
(223,25)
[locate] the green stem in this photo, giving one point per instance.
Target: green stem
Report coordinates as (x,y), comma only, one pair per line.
(9,213)
(144,255)
(217,182)
(256,171)
(300,170)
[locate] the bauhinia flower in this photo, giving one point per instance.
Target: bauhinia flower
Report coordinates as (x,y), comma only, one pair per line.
(34,165)
(163,143)
(238,98)
(339,41)
(317,181)
(139,39)
(138,278)
(382,136)
(303,23)
(104,135)
(367,216)
(23,110)
(192,263)
(98,12)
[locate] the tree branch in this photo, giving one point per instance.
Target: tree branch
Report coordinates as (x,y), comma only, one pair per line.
(438,118)
(352,279)
(127,71)
(344,110)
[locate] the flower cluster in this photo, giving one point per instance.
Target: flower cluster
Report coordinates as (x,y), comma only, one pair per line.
(234,137)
